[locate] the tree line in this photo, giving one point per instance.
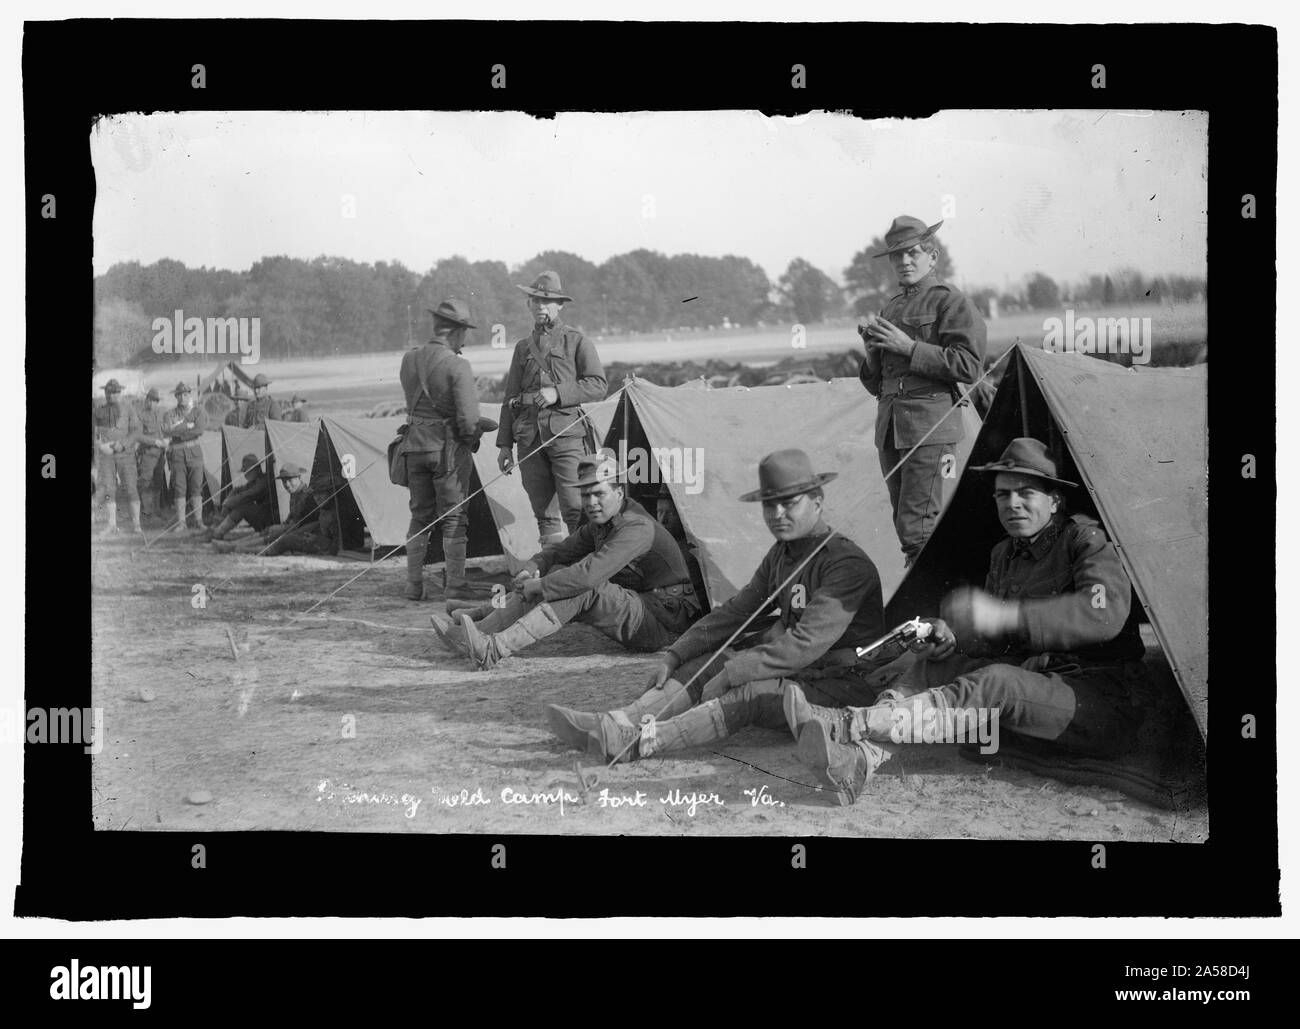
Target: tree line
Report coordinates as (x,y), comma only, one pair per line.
(331,305)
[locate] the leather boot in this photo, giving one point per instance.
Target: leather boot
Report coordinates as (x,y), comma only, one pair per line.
(451,635)
(798,711)
(415,550)
(618,739)
(220,530)
(847,768)
(486,650)
(454,584)
(476,609)
(135,518)
(573,727)
(196,513)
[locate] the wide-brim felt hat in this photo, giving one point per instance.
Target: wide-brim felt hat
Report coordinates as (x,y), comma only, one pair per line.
(786,473)
(597,468)
(1026,456)
(260,380)
(290,471)
(152,394)
(486,424)
(250,461)
(112,386)
(547,287)
(906,232)
(454,311)
(181,388)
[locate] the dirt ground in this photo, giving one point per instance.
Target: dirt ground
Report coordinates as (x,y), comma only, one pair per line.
(353,717)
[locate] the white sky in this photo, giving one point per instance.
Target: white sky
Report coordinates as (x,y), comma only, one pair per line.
(1066,193)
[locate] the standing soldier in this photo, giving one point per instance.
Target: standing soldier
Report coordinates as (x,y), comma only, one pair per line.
(149,458)
(299,412)
(262,408)
(442,431)
(552,373)
(928,338)
(184,425)
(116,429)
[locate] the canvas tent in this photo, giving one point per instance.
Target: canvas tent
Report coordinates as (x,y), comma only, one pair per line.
(289,443)
(727,431)
(1135,438)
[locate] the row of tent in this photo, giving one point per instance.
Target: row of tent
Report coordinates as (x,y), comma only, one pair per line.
(1135,438)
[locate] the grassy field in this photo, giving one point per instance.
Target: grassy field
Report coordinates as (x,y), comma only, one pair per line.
(352,384)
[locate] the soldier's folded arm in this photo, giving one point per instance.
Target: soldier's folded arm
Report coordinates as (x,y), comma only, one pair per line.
(466,396)
(825,619)
(590,384)
(959,354)
(633,539)
(1094,612)
(573,547)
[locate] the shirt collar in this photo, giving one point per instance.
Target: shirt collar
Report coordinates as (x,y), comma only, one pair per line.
(929,280)
(799,548)
(1037,546)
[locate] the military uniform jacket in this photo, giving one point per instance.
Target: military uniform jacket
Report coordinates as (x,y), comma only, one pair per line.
(258,412)
(304,512)
(441,399)
(117,424)
(915,393)
(151,427)
(632,550)
(561,357)
(1075,599)
(834,603)
(185,427)
(296,416)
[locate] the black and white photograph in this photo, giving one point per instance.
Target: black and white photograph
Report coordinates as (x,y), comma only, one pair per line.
(653,473)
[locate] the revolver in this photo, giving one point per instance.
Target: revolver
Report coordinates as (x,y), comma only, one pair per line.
(902,637)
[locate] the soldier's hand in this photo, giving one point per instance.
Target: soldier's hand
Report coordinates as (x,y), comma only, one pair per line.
(550,394)
(716,686)
(973,614)
(528,571)
(506,459)
(532,590)
(105,448)
(661,673)
(890,337)
(939,644)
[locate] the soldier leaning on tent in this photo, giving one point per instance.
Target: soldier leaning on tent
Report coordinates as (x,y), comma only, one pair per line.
(831,607)
(184,425)
(115,430)
(927,339)
(621,573)
(443,430)
(250,503)
(149,457)
(262,408)
(301,533)
(1051,643)
(552,373)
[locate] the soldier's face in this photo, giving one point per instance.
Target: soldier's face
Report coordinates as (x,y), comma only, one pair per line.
(668,517)
(912,265)
(259,392)
(544,311)
(183,401)
(293,485)
(1024,504)
(792,518)
(601,502)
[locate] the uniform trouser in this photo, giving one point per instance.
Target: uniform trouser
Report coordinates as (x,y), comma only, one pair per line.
(301,541)
(639,621)
(915,490)
(115,469)
(1081,710)
(549,473)
(256,512)
(438,481)
(149,476)
(187,475)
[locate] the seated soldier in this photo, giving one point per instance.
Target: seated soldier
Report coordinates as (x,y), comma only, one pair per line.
(301,534)
(830,606)
(621,573)
(1050,646)
(249,503)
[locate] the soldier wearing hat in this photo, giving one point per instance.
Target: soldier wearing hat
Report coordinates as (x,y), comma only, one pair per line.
(928,338)
(553,372)
(831,606)
(302,533)
(249,503)
(184,426)
(115,430)
(621,573)
(1051,643)
(299,411)
(443,431)
(263,407)
(149,457)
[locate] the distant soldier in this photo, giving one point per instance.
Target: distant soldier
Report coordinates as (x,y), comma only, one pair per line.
(184,426)
(250,503)
(262,408)
(927,339)
(621,573)
(443,430)
(552,373)
(299,411)
(302,533)
(116,427)
(149,457)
